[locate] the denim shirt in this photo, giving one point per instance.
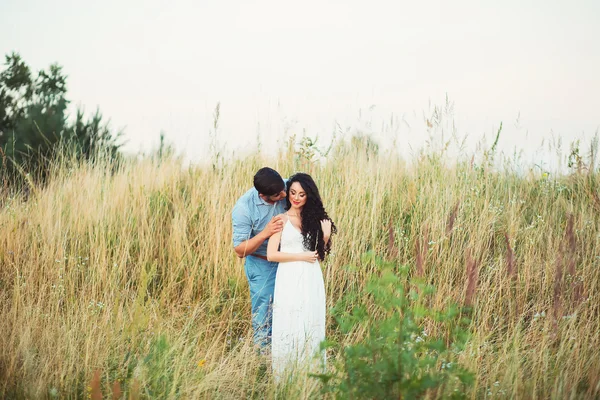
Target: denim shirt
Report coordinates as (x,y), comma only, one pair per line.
(250,216)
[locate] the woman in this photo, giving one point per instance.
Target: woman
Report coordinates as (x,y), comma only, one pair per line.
(299,298)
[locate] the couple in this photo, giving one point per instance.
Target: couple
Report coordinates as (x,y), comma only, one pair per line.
(283,231)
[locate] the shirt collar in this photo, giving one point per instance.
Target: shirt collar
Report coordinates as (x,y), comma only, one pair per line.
(258,200)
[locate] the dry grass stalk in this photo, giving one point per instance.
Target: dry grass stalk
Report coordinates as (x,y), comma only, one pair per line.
(95,389)
(134,390)
(392,248)
(511,267)
(572,241)
(472,278)
(116,391)
(452,218)
(596,199)
(577,289)
(558,289)
(579,294)
(421,252)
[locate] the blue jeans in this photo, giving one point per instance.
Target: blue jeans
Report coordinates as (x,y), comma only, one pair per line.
(261,278)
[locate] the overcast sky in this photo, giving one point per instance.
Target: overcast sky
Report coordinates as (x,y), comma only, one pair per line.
(278,66)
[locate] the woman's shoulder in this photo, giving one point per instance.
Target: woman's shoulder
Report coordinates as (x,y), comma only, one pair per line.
(283,216)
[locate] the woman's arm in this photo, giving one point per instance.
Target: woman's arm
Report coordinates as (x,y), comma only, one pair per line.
(326,239)
(273,253)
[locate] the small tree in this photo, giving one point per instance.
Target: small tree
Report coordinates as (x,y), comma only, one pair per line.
(34,124)
(397,358)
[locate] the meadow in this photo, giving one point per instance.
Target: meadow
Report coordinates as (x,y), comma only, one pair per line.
(123,282)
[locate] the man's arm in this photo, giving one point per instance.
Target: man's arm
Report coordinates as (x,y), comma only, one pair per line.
(249,246)
(243,244)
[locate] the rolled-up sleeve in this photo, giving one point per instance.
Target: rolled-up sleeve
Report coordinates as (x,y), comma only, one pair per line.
(242,224)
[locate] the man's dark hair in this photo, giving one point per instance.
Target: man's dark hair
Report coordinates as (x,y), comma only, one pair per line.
(268,182)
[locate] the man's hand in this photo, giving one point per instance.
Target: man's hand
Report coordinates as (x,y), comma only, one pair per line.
(275,225)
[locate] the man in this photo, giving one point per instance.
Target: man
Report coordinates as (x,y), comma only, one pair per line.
(255,219)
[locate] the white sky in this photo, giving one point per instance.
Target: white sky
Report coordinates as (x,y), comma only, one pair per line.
(274,65)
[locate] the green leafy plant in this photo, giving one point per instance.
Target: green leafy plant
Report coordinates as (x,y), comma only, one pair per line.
(158,365)
(397,357)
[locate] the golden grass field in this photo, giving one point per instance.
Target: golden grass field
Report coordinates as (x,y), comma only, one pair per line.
(127,282)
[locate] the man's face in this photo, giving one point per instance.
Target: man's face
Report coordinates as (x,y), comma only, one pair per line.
(276,197)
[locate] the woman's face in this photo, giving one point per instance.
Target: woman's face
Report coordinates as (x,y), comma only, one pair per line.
(297,196)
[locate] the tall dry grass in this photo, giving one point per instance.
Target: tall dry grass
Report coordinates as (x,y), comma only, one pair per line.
(126,282)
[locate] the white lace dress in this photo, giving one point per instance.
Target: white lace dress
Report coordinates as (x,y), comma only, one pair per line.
(298,309)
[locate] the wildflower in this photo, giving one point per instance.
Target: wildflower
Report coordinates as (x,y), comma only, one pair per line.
(201,363)
(539,315)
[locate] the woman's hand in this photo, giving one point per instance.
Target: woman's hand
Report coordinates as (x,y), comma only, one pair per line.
(309,256)
(326,227)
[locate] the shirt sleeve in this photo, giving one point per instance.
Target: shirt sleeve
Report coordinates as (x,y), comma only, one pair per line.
(242,224)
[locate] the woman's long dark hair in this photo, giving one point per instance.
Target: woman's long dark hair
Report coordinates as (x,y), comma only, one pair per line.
(312,213)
